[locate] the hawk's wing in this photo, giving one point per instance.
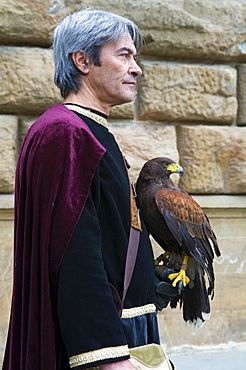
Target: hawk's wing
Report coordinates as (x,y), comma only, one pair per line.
(189,225)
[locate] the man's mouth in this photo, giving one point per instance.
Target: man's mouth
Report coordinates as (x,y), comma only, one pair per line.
(133,83)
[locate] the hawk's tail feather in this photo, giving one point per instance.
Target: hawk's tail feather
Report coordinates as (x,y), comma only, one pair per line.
(196,305)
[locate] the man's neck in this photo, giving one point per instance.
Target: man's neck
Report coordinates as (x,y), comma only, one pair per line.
(86,101)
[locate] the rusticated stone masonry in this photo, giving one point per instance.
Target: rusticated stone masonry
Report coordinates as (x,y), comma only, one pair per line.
(193,74)
(190,105)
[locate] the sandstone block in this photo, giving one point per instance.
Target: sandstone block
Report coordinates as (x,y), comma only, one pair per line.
(140,142)
(184,92)
(230,293)
(190,29)
(27,22)
(6,249)
(123,111)
(6,205)
(213,159)
(24,124)
(227,215)
(5,304)
(6,266)
(196,29)
(184,29)
(8,152)
(27,86)
(241,94)
(230,231)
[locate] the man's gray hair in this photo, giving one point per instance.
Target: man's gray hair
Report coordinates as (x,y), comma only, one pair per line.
(88,30)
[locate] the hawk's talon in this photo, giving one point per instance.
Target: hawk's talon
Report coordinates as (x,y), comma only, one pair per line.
(179,276)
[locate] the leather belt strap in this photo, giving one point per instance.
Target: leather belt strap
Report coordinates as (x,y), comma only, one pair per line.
(133,243)
(130,259)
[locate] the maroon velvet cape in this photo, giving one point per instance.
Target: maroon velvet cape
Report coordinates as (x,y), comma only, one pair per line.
(57,162)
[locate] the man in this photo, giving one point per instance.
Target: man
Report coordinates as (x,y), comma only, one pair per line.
(72,213)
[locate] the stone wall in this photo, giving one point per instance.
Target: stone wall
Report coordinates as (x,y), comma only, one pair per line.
(190,106)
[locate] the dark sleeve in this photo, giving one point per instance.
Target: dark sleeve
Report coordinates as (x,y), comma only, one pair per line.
(91,328)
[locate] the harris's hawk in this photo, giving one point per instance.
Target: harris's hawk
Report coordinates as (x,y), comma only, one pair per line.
(182,229)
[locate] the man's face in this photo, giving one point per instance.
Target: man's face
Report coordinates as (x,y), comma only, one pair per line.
(113,83)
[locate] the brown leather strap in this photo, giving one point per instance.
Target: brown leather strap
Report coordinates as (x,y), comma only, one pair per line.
(133,243)
(132,248)
(131,257)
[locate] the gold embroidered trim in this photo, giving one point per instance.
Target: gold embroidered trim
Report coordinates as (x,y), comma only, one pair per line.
(87,113)
(97,355)
(137,311)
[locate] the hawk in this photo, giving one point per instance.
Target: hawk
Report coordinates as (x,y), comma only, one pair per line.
(180,226)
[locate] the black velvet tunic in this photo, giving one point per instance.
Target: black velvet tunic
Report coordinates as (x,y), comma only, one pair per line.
(88,319)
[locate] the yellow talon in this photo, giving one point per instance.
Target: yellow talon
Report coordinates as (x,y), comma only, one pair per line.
(181,275)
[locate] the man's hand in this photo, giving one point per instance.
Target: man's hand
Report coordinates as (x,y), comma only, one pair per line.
(164,291)
(121,365)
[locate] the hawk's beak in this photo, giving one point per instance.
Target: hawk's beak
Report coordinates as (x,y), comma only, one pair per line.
(175,168)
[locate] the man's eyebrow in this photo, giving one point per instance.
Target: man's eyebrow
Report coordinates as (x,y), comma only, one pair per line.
(128,50)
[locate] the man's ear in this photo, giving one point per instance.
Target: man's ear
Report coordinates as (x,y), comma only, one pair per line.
(81,61)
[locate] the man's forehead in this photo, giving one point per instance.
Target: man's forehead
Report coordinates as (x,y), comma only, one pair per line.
(124,43)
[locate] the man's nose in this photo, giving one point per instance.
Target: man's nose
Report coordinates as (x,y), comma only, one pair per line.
(135,69)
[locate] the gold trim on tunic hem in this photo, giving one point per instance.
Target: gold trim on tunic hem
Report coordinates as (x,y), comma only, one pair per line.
(96,117)
(138,311)
(98,355)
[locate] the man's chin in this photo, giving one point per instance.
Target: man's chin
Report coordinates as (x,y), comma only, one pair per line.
(123,102)
(127,99)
